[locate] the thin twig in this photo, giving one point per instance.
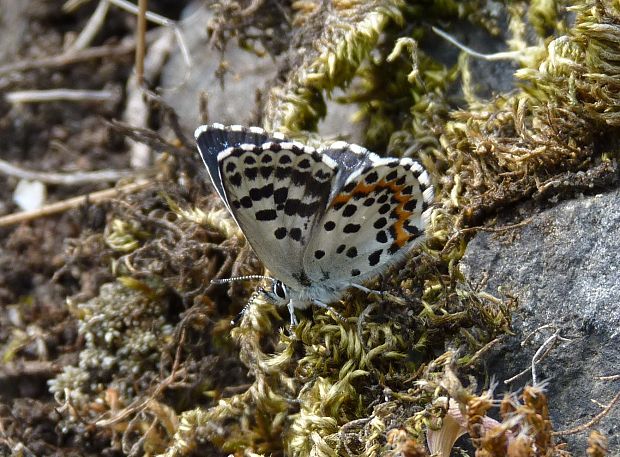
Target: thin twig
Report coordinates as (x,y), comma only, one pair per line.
(140,41)
(482,350)
(52,95)
(91,28)
(508,55)
(71,5)
(159,20)
(71,203)
(136,111)
(138,405)
(146,136)
(481,228)
(613,377)
(540,354)
(125,47)
(153,17)
(64,179)
(173,118)
(596,419)
(25,368)
(535,331)
(542,351)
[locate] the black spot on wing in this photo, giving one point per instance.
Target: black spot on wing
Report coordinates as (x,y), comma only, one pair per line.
(258,193)
(265,215)
(351,228)
(375,257)
(381,237)
(235,179)
(369,201)
(391,176)
(280,233)
(349,210)
(295,233)
(295,207)
(372,177)
(246,202)
(410,205)
(280,195)
(380,223)
(265,172)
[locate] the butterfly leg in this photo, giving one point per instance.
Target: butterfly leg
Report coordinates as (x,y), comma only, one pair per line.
(366,289)
(291,310)
(328,308)
(384,295)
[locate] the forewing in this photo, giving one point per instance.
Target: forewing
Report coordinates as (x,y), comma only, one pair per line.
(215,138)
(276,192)
(376,217)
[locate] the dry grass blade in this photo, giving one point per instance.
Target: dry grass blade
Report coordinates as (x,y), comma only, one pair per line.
(64,179)
(70,203)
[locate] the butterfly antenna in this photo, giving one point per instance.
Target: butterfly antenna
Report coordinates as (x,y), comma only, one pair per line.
(240,278)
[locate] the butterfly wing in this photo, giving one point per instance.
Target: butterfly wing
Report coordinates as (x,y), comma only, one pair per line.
(213,139)
(275,190)
(374,217)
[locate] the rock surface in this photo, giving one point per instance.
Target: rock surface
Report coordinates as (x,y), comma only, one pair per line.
(563,268)
(232,93)
(232,97)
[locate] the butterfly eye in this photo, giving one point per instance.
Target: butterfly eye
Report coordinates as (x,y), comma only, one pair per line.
(279,289)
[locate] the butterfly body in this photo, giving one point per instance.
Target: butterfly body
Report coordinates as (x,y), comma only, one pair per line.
(321,220)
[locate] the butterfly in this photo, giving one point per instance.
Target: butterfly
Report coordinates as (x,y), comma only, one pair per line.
(321,220)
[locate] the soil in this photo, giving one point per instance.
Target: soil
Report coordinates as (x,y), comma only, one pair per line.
(38,336)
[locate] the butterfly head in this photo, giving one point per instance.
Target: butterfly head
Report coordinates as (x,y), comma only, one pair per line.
(278,293)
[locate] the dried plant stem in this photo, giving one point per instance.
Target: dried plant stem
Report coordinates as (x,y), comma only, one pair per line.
(175,372)
(70,203)
(61,60)
(540,354)
(596,419)
(508,55)
(159,20)
(64,179)
(153,17)
(484,349)
(91,28)
(53,95)
(140,41)
(137,111)
(613,377)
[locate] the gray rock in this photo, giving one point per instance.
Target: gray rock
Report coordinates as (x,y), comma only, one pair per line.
(231,98)
(563,268)
(14,25)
